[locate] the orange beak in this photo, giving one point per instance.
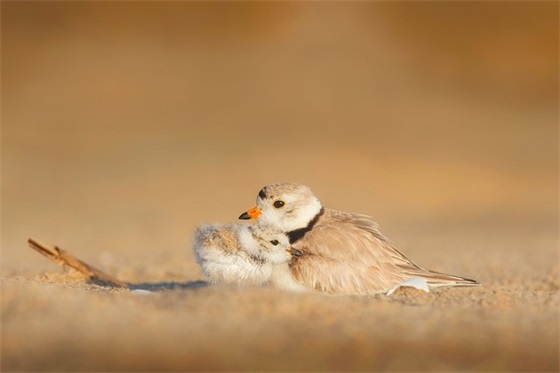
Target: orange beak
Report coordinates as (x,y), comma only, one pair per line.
(251,214)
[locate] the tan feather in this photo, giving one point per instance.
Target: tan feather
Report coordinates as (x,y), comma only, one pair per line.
(345,253)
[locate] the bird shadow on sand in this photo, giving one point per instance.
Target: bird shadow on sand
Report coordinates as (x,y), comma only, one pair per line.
(170,285)
(150,286)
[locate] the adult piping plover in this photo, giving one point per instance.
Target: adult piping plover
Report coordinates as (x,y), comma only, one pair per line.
(245,254)
(342,252)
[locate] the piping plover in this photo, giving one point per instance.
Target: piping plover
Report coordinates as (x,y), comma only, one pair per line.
(342,252)
(245,254)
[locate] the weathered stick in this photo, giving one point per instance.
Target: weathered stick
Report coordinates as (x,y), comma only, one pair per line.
(64,258)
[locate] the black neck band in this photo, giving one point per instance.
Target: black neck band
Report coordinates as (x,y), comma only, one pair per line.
(299,233)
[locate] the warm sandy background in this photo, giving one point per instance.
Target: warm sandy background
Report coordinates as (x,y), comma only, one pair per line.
(126,124)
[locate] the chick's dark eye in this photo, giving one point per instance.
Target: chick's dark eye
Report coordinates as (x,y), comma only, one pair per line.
(278,204)
(274,242)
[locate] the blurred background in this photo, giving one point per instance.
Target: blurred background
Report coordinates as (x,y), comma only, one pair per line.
(125,124)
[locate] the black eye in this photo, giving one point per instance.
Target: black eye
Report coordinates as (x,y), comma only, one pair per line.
(274,242)
(278,204)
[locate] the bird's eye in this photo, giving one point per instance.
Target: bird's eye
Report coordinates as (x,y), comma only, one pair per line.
(278,204)
(274,242)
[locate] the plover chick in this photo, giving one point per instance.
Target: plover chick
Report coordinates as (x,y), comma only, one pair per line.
(245,254)
(342,252)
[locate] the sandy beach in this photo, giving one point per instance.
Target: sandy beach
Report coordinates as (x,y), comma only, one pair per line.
(126,125)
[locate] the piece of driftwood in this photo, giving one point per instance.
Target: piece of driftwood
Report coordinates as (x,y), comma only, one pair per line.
(64,258)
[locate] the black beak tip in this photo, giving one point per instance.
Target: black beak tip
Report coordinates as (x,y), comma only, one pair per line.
(244,216)
(296,252)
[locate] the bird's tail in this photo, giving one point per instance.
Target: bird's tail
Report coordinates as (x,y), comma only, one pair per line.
(438,279)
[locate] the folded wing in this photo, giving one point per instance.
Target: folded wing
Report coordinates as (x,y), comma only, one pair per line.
(346,254)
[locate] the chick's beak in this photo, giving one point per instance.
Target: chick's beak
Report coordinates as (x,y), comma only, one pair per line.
(294,252)
(251,214)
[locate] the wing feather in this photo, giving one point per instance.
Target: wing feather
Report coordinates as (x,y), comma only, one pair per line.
(345,253)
